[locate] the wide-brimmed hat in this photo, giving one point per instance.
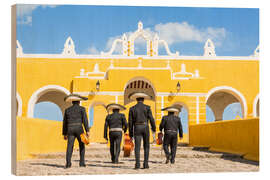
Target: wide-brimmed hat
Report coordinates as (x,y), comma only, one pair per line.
(135,95)
(172,108)
(74,97)
(115,106)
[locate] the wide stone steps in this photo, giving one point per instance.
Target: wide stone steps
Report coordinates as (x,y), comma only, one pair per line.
(102,151)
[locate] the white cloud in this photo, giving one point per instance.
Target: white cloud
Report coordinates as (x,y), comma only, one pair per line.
(93,50)
(24,12)
(184,32)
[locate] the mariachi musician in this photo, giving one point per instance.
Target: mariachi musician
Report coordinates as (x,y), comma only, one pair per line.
(74,119)
(116,123)
(139,117)
(171,124)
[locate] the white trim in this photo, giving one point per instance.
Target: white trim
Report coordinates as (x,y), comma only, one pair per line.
(120,93)
(162,105)
(116,99)
(230,89)
(19,100)
(180,94)
(255,106)
(197,109)
(38,93)
(122,57)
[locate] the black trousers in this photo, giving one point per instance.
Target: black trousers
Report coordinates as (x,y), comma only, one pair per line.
(141,132)
(71,139)
(170,139)
(115,142)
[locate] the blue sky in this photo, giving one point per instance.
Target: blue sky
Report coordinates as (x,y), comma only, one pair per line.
(44,29)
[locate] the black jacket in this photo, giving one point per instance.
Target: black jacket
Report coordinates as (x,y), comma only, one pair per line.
(74,117)
(171,122)
(140,113)
(115,120)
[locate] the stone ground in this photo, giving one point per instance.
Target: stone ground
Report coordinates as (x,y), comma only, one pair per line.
(98,162)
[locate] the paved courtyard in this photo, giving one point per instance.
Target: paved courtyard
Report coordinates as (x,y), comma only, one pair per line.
(98,162)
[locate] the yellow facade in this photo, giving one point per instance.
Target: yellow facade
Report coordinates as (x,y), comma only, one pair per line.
(204,81)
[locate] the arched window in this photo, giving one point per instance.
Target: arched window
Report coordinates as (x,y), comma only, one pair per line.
(184,119)
(48,110)
(91,116)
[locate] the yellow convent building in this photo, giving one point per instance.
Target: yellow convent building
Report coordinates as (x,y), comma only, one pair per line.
(212,80)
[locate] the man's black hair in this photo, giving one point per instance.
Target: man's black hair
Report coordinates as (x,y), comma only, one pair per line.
(140,99)
(75,102)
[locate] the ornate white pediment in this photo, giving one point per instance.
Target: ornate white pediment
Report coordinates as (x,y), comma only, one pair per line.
(128,43)
(209,48)
(69,47)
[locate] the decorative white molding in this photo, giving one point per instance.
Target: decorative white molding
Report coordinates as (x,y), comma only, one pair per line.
(167,48)
(257,51)
(255,113)
(69,47)
(19,49)
(184,75)
(235,92)
(37,94)
(121,57)
(121,93)
(128,43)
(209,48)
(19,101)
(95,74)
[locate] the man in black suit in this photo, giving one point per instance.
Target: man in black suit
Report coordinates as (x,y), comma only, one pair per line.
(139,117)
(171,124)
(116,123)
(74,118)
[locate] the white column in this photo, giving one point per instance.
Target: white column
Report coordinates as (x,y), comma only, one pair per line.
(162,105)
(197,109)
(116,99)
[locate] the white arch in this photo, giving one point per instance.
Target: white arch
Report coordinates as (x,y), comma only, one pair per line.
(235,92)
(19,100)
(37,94)
(255,106)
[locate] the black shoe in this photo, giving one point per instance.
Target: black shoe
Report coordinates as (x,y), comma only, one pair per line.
(145,166)
(82,165)
(137,166)
(167,161)
(172,161)
(116,162)
(67,166)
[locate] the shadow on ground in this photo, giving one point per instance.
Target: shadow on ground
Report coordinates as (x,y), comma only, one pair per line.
(227,156)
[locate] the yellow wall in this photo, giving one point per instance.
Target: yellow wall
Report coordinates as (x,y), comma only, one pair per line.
(37,136)
(234,136)
(34,73)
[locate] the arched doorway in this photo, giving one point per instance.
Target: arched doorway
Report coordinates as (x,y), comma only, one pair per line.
(184,116)
(140,84)
(220,97)
(97,114)
(51,93)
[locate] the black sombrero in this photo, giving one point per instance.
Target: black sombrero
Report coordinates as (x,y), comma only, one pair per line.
(74,97)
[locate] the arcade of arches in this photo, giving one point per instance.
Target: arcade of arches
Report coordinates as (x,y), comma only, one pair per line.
(208,80)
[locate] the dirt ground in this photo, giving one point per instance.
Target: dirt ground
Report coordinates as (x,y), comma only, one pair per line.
(98,162)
